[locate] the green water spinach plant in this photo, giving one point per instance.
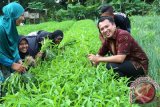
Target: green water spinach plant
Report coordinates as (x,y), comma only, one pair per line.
(68,79)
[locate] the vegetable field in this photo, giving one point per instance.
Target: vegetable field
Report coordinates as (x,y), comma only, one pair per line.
(67,79)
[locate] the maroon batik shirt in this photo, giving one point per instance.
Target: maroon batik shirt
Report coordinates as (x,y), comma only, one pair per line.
(124,44)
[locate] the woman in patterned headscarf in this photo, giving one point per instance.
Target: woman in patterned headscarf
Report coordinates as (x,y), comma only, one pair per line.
(9,56)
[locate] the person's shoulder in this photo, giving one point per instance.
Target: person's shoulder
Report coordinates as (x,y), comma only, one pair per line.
(32,33)
(43,33)
(122,32)
(120,14)
(120,20)
(28,37)
(40,31)
(123,35)
(119,17)
(31,39)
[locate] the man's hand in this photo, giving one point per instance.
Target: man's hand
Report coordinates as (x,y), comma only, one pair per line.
(18,67)
(94,59)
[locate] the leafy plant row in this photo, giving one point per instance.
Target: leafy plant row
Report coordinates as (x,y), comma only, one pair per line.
(68,79)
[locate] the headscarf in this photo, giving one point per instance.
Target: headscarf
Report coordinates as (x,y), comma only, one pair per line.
(55,34)
(8,31)
(22,55)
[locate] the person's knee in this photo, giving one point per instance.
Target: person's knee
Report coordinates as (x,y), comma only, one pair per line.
(111,66)
(108,66)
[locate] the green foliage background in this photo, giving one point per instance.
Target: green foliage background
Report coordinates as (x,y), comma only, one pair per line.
(88,9)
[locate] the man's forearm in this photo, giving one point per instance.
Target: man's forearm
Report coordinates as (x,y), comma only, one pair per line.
(114,59)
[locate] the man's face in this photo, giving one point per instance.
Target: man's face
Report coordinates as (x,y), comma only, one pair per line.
(107,28)
(20,20)
(58,40)
(23,46)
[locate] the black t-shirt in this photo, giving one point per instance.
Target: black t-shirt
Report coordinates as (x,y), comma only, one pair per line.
(122,22)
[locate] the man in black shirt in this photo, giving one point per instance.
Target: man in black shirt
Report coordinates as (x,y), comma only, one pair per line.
(121,20)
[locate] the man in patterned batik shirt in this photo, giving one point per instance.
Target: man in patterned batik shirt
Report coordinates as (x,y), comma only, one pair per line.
(128,58)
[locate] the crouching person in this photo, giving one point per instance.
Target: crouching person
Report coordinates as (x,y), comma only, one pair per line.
(31,44)
(128,59)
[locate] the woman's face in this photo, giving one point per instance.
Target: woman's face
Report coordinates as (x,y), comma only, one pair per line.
(23,46)
(20,20)
(58,40)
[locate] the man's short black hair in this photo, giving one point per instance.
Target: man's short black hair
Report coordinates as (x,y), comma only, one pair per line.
(107,8)
(109,18)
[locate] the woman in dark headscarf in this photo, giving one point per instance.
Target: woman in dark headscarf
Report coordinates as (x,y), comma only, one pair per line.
(35,39)
(23,47)
(9,56)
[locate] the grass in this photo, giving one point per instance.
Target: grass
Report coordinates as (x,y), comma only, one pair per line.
(146,31)
(147,34)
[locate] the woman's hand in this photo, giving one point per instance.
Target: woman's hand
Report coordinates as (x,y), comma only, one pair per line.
(39,55)
(20,62)
(30,61)
(18,67)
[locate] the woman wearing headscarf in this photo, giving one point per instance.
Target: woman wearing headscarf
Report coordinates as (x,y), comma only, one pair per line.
(23,48)
(10,60)
(35,39)
(29,46)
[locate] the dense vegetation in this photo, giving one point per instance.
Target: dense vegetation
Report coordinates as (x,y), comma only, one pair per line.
(68,79)
(87,9)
